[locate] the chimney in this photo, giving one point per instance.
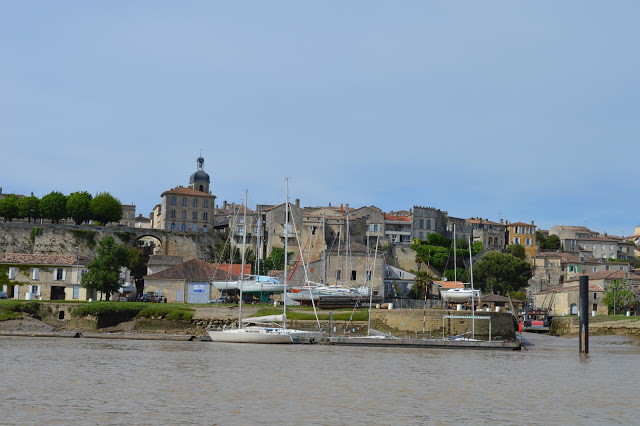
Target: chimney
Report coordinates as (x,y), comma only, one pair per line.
(532,222)
(297,202)
(501,221)
(224,205)
(329,201)
(341,208)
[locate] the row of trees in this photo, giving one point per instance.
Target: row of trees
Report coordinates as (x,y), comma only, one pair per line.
(55,206)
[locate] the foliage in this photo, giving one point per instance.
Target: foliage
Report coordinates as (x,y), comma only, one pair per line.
(130,310)
(619,297)
(125,237)
(29,207)
(9,309)
(338,315)
(550,243)
(79,207)
(517,250)
(438,240)
(106,208)
(421,285)
(275,260)
(9,207)
(36,231)
(460,274)
(137,262)
(519,295)
(104,270)
(501,272)
(53,206)
(435,256)
(86,235)
(162,311)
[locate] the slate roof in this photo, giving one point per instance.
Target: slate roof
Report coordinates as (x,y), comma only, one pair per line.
(198,270)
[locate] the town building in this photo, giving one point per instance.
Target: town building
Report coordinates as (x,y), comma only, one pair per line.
(397,228)
(523,234)
(491,234)
(190,209)
(428,220)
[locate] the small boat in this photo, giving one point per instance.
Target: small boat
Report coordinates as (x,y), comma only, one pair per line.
(459,294)
(255,284)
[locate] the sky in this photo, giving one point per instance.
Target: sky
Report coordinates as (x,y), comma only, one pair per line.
(496,109)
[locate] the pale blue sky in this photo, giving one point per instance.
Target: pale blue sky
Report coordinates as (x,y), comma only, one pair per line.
(515,110)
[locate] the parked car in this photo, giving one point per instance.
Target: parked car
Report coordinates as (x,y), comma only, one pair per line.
(3,295)
(218,300)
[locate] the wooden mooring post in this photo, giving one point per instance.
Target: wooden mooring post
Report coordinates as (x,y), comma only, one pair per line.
(584,314)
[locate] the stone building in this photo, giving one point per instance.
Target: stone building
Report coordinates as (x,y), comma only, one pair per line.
(189,209)
(397,228)
(45,276)
(428,220)
(491,234)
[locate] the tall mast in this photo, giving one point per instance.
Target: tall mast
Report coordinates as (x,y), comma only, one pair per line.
(286,246)
(244,245)
(324,251)
(455,267)
(372,277)
(473,303)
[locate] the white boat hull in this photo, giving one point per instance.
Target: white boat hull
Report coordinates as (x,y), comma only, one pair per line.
(251,335)
(459,295)
(249,286)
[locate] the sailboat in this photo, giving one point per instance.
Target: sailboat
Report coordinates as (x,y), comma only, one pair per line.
(251,334)
(459,294)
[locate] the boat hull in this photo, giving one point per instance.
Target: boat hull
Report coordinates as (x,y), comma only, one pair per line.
(425,343)
(250,335)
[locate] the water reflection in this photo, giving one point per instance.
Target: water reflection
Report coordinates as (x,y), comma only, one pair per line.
(80,381)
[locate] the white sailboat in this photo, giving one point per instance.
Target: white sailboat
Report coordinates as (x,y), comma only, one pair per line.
(460,294)
(251,334)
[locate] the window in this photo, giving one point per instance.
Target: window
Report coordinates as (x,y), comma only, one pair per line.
(12,272)
(338,274)
(35,289)
(205,216)
(184,214)
(60,274)
(195,202)
(206,204)
(373,228)
(528,241)
(241,220)
(421,235)
(240,230)
(76,292)
(35,274)
(183,226)
(173,201)
(606,268)
(428,223)
(421,223)
(353,275)
(173,214)
(204,228)
(194,215)
(595,296)
(184,202)
(515,229)
(194,228)
(172,227)
(516,240)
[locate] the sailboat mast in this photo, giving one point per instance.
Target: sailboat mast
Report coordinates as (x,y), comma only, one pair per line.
(455,267)
(286,247)
(324,251)
(244,245)
(473,303)
(372,277)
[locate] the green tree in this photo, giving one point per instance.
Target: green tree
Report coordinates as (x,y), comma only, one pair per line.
(421,287)
(106,208)
(501,272)
(517,250)
(9,207)
(79,207)
(29,207)
(548,243)
(434,256)
(275,260)
(438,240)
(619,297)
(53,206)
(137,262)
(103,272)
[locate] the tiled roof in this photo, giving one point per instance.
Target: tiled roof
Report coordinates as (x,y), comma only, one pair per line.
(603,275)
(187,191)
(444,285)
(496,298)
(603,239)
(397,218)
(520,224)
(197,270)
(592,288)
(164,260)
(484,221)
(40,259)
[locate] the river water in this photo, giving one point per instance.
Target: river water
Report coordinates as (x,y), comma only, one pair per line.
(95,381)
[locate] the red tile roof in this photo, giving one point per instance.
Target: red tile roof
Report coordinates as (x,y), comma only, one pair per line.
(187,191)
(444,285)
(397,218)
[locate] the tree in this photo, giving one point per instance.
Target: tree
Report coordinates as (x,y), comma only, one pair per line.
(137,262)
(421,285)
(517,250)
(103,272)
(275,260)
(79,207)
(9,207)
(619,297)
(501,272)
(548,243)
(437,240)
(106,208)
(29,207)
(432,255)
(53,206)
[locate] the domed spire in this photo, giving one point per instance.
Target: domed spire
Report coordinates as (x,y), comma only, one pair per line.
(200,176)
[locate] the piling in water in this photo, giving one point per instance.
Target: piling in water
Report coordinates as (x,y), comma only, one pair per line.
(584,317)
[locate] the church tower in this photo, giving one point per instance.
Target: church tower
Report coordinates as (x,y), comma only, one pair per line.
(200,179)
